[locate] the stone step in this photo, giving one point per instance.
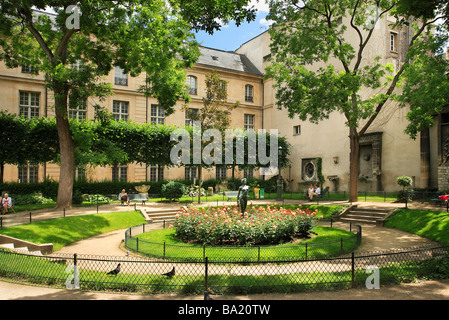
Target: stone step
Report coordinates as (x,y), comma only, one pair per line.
(358,220)
(11,246)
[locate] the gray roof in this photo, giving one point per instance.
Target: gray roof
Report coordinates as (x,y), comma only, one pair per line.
(228,60)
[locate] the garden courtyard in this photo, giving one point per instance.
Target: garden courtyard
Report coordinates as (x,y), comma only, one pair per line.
(111,244)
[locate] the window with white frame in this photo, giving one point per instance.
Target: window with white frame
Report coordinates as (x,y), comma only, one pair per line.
(157,114)
(29,104)
(190,172)
(249,122)
(393,42)
(28,173)
(120,173)
(296,130)
(190,114)
(78,108)
(192,84)
(29,69)
(120,110)
(156,173)
(120,77)
(249,89)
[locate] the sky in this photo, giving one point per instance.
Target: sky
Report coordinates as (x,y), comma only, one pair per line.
(231,37)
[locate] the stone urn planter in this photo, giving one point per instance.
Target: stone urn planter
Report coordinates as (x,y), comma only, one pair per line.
(142,189)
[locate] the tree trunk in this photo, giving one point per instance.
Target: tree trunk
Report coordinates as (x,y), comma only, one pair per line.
(67,155)
(353,164)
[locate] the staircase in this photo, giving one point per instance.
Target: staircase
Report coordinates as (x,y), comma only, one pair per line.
(24,250)
(366,215)
(159,215)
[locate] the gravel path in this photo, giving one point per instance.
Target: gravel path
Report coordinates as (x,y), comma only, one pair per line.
(373,239)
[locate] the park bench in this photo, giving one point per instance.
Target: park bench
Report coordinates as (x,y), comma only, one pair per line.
(322,194)
(136,197)
(231,194)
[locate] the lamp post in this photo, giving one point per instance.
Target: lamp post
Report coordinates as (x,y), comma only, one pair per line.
(279,184)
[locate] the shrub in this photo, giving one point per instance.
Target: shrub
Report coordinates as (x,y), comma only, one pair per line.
(173,190)
(405,181)
(258,226)
(31,199)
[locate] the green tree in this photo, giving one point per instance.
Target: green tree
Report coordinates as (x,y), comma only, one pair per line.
(79,45)
(214,114)
(318,71)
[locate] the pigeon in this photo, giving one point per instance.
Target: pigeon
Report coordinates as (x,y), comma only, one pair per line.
(206,296)
(115,271)
(170,274)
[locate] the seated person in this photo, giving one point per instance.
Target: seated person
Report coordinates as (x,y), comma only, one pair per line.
(315,192)
(124,197)
(6,203)
(310,191)
(444,197)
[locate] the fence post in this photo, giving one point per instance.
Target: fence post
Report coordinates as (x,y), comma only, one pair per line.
(306,250)
(137,244)
(204,251)
(352,269)
(30,216)
(341,245)
(258,254)
(164,250)
(206,265)
(64,212)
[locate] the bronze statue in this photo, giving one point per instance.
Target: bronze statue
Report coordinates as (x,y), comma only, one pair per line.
(242,197)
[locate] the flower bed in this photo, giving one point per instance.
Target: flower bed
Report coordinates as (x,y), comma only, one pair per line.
(258,226)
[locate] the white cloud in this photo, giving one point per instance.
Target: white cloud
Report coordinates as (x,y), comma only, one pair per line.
(260,5)
(266,23)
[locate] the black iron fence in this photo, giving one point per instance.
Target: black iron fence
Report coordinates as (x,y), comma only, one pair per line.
(163,250)
(137,274)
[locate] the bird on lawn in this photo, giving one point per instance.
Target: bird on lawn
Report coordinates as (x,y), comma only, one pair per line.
(170,274)
(115,271)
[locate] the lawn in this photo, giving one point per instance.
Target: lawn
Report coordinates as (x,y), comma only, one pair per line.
(326,243)
(433,225)
(63,231)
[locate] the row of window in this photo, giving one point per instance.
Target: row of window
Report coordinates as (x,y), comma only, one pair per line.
(29,107)
(30,173)
(192,84)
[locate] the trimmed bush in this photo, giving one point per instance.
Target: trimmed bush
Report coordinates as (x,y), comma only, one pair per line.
(173,190)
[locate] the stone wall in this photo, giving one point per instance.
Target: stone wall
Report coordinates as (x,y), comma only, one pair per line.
(443,177)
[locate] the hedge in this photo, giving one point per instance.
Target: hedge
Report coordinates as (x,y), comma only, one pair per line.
(49,188)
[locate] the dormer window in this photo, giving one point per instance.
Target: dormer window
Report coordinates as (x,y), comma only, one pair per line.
(120,78)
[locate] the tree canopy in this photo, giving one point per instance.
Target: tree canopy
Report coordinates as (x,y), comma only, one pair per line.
(82,42)
(318,70)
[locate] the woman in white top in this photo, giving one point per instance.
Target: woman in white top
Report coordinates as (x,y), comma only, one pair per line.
(6,203)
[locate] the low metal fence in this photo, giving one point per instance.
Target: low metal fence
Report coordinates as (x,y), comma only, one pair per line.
(306,250)
(137,274)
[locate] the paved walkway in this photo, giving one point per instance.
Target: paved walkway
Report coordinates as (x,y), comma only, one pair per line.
(374,238)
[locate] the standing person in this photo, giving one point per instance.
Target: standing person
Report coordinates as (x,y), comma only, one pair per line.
(6,203)
(124,197)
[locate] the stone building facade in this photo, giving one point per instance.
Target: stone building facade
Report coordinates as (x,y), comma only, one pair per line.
(386,151)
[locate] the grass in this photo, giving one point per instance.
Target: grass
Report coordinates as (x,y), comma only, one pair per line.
(63,231)
(433,225)
(326,243)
